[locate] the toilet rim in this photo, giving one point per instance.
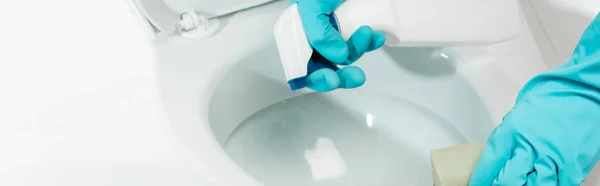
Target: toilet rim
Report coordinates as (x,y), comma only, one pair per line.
(208,157)
(214,164)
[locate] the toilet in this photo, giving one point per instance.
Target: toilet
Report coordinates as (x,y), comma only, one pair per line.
(234,119)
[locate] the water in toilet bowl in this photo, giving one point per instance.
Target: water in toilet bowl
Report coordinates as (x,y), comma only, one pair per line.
(341,139)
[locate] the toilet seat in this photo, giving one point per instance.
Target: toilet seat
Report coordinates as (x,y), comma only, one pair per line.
(200,96)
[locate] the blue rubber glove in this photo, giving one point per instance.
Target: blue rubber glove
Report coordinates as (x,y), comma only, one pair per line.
(330,44)
(552,135)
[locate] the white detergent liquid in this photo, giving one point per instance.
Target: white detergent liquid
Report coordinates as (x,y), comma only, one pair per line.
(342,139)
(325,161)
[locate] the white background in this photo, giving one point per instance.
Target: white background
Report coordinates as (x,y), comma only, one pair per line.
(78,103)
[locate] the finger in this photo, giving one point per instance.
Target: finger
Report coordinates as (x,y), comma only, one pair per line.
(516,169)
(496,153)
(377,41)
(359,44)
(351,77)
(531,178)
(545,172)
(319,31)
(323,80)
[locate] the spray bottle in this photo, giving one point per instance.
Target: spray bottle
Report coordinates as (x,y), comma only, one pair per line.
(407,23)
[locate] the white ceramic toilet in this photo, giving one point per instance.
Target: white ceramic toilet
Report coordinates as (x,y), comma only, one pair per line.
(235,120)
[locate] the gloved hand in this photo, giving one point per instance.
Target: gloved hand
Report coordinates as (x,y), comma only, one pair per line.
(329,43)
(552,135)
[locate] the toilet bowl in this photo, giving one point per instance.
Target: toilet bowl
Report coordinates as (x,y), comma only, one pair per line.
(234,119)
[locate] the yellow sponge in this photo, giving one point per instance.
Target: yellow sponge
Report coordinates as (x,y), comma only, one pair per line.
(453,166)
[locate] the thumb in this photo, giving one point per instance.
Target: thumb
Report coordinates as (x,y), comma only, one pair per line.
(495,155)
(319,31)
